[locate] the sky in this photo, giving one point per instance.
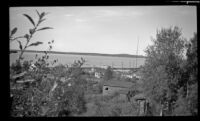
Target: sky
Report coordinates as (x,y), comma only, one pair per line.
(102,29)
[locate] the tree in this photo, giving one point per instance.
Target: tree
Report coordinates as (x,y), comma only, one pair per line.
(29,35)
(187,103)
(161,70)
(45,96)
(108,74)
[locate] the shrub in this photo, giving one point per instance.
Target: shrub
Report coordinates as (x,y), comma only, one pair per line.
(44,96)
(108,74)
(16,67)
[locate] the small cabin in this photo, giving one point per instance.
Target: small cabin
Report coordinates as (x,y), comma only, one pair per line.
(115,86)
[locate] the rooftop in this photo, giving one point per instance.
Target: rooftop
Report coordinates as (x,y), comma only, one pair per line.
(140,96)
(116,83)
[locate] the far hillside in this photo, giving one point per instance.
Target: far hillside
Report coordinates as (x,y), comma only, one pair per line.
(79,53)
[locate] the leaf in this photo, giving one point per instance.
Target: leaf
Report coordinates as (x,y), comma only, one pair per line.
(13,31)
(41,20)
(31,31)
(20,45)
(26,36)
(36,43)
(30,19)
(42,15)
(45,28)
(38,13)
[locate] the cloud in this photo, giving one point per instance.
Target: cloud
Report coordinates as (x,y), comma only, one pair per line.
(134,13)
(80,20)
(68,15)
(117,13)
(103,14)
(110,13)
(185,12)
(106,13)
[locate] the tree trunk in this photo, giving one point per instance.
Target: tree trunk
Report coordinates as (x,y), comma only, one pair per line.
(187,90)
(161,110)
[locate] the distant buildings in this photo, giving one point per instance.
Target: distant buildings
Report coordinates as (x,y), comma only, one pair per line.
(131,76)
(98,75)
(98,72)
(104,66)
(136,75)
(127,76)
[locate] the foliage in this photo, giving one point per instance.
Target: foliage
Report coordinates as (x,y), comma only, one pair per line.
(170,81)
(59,70)
(162,67)
(181,107)
(29,35)
(114,106)
(16,67)
(100,88)
(48,97)
(45,96)
(187,103)
(108,74)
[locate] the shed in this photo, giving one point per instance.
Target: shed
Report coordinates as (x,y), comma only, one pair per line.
(113,86)
(139,97)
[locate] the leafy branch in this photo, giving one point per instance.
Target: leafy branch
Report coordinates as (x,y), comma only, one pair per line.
(29,35)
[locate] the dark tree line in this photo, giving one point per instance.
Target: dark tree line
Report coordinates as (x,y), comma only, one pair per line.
(170,78)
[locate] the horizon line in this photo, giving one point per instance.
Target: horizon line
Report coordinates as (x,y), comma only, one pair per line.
(67,52)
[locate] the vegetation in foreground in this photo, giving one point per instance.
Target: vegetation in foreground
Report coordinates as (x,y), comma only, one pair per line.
(39,91)
(170,81)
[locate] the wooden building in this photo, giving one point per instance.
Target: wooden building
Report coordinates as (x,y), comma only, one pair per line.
(113,86)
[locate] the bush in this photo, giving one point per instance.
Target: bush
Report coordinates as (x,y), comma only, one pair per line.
(114,106)
(45,96)
(59,71)
(108,74)
(181,108)
(16,67)
(26,65)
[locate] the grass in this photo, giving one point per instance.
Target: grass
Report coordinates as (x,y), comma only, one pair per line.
(114,105)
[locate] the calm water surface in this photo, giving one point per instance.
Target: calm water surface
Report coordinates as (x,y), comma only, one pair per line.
(117,62)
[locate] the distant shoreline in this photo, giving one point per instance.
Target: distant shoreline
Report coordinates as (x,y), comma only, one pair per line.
(78,53)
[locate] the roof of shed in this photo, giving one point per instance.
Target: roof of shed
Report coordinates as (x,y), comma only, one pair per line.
(116,83)
(123,91)
(139,96)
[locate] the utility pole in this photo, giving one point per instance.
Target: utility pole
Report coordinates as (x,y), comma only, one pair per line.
(112,64)
(137,52)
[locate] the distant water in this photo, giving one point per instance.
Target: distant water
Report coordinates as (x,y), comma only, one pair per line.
(117,62)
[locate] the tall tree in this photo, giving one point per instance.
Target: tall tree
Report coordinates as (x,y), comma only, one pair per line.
(187,103)
(108,74)
(162,66)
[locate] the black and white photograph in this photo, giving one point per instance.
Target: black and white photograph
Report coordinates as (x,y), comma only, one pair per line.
(103,61)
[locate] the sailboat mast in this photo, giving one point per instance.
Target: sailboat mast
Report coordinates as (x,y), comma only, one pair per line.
(137,52)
